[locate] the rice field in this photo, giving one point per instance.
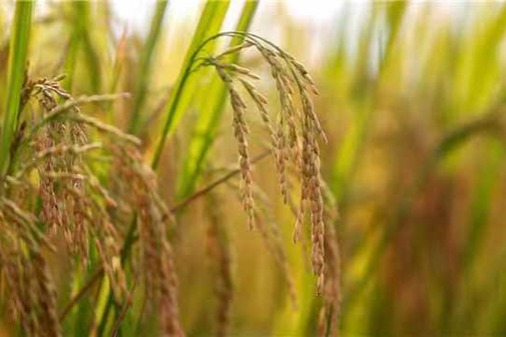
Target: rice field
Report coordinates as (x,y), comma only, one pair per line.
(246,172)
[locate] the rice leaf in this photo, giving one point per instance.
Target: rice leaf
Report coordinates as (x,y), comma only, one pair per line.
(212,103)
(145,66)
(17,61)
(80,41)
(209,24)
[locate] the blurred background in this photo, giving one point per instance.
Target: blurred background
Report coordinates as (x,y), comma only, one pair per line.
(412,101)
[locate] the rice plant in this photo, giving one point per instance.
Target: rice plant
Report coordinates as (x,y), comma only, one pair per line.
(192,176)
(76,187)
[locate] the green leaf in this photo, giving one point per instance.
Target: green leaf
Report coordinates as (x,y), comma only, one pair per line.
(145,66)
(16,72)
(212,103)
(209,24)
(80,41)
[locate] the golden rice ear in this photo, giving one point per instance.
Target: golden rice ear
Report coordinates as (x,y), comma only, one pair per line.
(293,137)
(76,204)
(240,132)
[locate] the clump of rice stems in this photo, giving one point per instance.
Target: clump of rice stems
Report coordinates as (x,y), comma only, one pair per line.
(240,131)
(73,202)
(293,132)
(53,189)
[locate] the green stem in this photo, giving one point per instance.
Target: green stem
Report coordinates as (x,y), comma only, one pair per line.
(16,73)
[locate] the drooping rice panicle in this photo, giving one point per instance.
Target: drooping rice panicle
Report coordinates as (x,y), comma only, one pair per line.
(76,204)
(294,136)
